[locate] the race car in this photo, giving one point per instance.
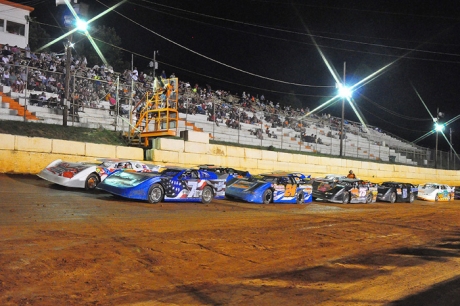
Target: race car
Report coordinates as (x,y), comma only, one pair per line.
(436,192)
(457,192)
(89,175)
(268,188)
(344,191)
(335,177)
(396,192)
(170,185)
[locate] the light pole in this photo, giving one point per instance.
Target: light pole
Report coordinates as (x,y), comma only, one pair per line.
(153,64)
(450,151)
(345,93)
(439,128)
(68,52)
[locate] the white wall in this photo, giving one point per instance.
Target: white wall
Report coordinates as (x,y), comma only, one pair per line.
(14,13)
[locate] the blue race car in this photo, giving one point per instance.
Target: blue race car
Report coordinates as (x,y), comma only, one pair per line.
(172,184)
(274,187)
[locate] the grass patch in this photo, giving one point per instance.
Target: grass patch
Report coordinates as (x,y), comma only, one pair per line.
(53,131)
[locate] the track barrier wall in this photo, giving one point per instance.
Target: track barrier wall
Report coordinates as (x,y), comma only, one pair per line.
(29,155)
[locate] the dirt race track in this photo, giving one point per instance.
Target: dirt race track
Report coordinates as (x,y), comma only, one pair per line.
(69,247)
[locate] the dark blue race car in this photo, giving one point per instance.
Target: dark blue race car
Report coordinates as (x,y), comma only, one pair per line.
(172,184)
(271,188)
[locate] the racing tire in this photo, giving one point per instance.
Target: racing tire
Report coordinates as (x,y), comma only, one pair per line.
(267,196)
(346,198)
(300,198)
(207,195)
(393,197)
(436,199)
(92,181)
(369,198)
(156,194)
(411,198)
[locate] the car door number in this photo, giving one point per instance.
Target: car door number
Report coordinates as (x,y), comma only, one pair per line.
(290,190)
(193,191)
(361,192)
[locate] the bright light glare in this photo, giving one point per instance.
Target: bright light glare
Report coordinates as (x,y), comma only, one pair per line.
(344,92)
(439,127)
(82,25)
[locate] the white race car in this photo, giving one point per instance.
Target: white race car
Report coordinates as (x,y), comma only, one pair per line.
(88,175)
(436,192)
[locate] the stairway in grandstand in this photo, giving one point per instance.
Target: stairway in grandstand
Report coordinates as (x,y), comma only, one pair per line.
(11,109)
(191,125)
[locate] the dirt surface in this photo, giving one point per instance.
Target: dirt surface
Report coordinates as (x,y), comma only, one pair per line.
(62,246)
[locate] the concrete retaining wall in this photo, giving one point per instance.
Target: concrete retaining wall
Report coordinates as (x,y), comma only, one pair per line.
(190,153)
(19,154)
(29,155)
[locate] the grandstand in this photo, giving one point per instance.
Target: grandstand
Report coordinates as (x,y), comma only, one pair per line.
(226,118)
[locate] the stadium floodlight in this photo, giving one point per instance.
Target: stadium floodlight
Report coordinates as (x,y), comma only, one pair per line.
(344,91)
(439,127)
(82,25)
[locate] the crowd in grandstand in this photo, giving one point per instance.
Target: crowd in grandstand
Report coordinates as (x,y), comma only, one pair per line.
(91,85)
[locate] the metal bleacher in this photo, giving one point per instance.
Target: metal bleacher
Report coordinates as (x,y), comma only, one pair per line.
(356,145)
(372,145)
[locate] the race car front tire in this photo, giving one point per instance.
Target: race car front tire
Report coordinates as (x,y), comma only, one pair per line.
(393,197)
(346,198)
(300,198)
(411,198)
(267,196)
(92,181)
(156,193)
(207,195)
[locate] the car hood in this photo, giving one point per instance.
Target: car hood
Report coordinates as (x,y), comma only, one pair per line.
(246,185)
(125,179)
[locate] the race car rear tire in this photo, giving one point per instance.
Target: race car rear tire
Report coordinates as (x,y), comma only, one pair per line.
(436,199)
(300,198)
(369,199)
(92,181)
(207,195)
(267,196)
(411,198)
(156,194)
(346,198)
(393,197)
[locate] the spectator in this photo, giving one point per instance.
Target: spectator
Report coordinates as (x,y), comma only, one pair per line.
(351,175)
(42,99)
(6,78)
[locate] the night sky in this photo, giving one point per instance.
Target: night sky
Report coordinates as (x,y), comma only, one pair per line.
(270,47)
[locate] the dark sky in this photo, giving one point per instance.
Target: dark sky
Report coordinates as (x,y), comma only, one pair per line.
(199,40)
